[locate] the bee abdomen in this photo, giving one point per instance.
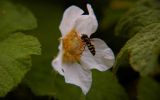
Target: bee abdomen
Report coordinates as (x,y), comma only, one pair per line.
(92,49)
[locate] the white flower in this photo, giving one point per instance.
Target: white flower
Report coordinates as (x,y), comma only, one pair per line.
(74,60)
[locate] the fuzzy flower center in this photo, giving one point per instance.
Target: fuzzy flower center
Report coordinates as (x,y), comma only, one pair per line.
(73,47)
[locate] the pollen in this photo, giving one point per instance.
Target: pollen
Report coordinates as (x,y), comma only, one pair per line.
(72,47)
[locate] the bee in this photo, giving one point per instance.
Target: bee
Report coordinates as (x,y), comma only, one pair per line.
(87,41)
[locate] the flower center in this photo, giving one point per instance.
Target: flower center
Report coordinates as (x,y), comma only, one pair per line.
(73,47)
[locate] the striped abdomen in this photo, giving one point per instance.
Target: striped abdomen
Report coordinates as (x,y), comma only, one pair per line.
(91,48)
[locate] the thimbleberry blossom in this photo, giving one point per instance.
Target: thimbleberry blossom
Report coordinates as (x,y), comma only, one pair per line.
(74,60)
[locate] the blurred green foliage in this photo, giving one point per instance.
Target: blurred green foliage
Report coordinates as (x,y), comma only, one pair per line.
(148,89)
(14,17)
(105,87)
(114,11)
(141,24)
(142,50)
(144,12)
(15,47)
(41,77)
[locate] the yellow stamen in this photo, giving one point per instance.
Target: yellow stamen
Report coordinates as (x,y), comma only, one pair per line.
(72,47)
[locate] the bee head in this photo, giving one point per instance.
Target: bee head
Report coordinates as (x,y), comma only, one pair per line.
(84,36)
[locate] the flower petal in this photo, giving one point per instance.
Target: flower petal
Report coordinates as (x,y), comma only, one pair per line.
(88,61)
(103,59)
(57,63)
(68,20)
(86,24)
(75,74)
(104,54)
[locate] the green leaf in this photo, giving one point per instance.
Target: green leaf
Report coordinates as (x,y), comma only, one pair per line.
(143,50)
(143,13)
(15,59)
(106,87)
(141,24)
(14,17)
(15,48)
(148,89)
